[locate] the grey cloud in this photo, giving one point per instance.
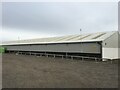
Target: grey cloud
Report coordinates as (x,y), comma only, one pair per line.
(60,18)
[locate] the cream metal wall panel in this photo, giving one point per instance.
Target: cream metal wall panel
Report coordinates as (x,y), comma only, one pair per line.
(119,44)
(112,41)
(83,48)
(110,53)
(111,46)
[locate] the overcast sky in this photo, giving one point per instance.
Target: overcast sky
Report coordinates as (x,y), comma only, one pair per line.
(45,19)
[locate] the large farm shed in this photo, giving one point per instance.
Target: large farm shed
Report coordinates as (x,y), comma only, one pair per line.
(103,45)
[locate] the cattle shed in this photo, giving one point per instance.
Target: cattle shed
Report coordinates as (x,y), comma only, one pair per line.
(105,45)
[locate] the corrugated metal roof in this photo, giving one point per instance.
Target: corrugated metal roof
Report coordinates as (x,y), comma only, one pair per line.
(65,39)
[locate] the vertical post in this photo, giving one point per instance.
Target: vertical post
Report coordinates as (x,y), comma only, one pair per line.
(111,61)
(54,55)
(45,53)
(72,57)
(66,54)
(95,59)
(82,58)
(62,56)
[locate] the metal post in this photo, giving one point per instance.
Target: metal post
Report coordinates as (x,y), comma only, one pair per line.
(54,55)
(62,56)
(66,54)
(72,57)
(82,58)
(40,55)
(45,53)
(111,61)
(95,59)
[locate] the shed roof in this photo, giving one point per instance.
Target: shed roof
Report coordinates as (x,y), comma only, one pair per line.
(90,37)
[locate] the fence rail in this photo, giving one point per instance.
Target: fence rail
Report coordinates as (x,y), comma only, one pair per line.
(62,56)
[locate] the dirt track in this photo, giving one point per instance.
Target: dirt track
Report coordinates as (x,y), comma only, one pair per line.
(21,71)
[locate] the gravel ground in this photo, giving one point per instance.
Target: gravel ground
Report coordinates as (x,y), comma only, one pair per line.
(20,71)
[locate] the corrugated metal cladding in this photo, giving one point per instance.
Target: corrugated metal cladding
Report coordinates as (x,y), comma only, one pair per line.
(75,48)
(66,39)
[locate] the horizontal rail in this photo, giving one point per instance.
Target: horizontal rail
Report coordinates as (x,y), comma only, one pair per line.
(63,56)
